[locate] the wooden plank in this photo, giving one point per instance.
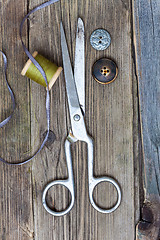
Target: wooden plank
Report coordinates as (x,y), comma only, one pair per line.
(109,119)
(16,218)
(44,37)
(146,40)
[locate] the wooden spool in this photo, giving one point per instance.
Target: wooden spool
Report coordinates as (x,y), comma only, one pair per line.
(51,70)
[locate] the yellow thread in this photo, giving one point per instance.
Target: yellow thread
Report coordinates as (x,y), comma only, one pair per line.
(51,70)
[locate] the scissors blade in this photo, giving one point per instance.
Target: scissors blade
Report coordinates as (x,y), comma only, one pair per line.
(73,100)
(79,67)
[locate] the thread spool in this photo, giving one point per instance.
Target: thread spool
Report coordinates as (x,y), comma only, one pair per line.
(51,70)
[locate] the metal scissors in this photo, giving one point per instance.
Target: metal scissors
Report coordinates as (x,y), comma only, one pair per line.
(75,87)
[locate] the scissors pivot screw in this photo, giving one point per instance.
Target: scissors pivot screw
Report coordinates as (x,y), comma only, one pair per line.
(76,117)
(76,100)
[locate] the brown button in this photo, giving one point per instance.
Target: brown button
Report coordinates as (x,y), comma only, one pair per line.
(104,71)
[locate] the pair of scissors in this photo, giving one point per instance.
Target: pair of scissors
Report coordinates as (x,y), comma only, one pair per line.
(75,87)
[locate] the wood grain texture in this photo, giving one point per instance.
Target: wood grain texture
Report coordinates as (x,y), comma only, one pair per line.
(16,216)
(146,40)
(111,119)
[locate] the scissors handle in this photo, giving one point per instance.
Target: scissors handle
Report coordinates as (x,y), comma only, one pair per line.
(93,182)
(68,183)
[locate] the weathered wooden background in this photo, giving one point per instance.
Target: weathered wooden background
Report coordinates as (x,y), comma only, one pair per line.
(113,119)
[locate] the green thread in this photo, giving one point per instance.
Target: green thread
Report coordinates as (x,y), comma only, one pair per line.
(49,68)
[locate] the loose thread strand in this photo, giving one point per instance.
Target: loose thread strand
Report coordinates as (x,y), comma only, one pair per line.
(45,78)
